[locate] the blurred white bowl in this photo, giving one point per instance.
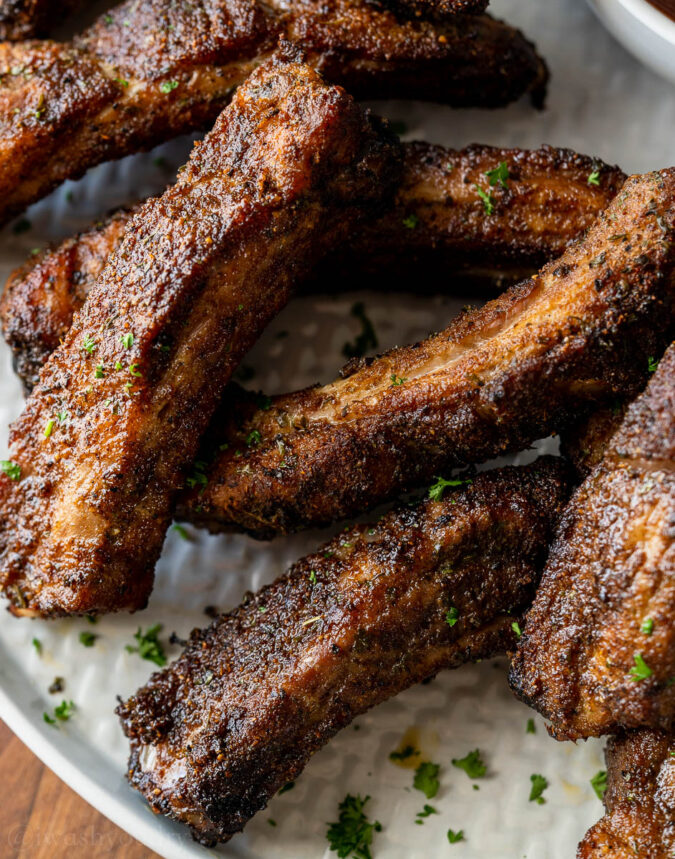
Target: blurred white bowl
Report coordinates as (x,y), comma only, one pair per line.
(643,30)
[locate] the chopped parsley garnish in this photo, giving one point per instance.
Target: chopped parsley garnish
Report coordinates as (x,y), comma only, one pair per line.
(426,812)
(455,837)
(452,616)
(411,221)
(515,626)
(272,822)
(530,729)
(62,417)
(127,340)
(539,785)
(149,646)
(487,198)
(352,834)
(98,372)
(499,175)
(37,644)
(364,341)
(640,671)
(404,754)
(121,82)
(198,477)
(49,427)
(180,530)
(594,178)
(11,469)
(472,764)
(647,626)
(57,685)
(599,784)
(133,369)
(312,577)
(652,364)
(263,401)
(61,713)
(88,344)
(426,779)
(288,786)
(437,489)
(397,381)
(168,86)
(253,438)
(87,639)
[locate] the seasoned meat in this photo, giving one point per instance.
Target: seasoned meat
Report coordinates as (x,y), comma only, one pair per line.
(524,365)
(640,800)
(585,443)
(103,443)
(380,607)
(23,19)
(436,227)
(597,653)
(149,70)
(438,8)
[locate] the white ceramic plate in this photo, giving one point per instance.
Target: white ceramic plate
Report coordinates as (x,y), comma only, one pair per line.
(602,102)
(648,33)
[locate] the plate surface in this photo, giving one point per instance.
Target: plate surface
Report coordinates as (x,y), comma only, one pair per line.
(602,102)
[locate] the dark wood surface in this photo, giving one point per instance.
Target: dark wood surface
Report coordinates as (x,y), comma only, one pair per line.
(41,818)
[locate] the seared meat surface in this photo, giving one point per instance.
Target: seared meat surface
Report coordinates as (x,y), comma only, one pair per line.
(438,8)
(640,800)
(585,443)
(107,435)
(150,70)
(379,608)
(24,19)
(436,228)
(524,365)
(597,653)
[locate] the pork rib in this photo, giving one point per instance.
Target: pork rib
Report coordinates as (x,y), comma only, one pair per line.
(377,609)
(522,366)
(437,228)
(640,800)
(287,171)
(150,70)
(598,649)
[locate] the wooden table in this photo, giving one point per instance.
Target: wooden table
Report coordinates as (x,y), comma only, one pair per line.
(41,818)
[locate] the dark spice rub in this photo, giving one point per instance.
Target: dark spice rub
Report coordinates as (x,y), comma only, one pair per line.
(107,435)
(524,365)
(379,608)
(640,800)
(597,653)
(150,70)
(436,230)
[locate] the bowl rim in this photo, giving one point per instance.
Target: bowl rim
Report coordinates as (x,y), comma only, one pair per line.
(650,17)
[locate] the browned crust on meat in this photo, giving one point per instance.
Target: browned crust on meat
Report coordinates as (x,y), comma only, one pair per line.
(253,697)
(437,8)
(585,443)
(147,71)
(437,227)
(611,569)
(25,19)
(287,171)
(522,366)
(640,800)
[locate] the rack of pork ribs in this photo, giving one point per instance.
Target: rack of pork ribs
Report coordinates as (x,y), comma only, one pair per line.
(126,337)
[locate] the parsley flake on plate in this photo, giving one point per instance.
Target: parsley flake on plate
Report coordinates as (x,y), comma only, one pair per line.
(455,837)
(539,785)
(594,178)
(87,639)
(352,834)
(599,783)
(437,489)
(149,647)
(404,754)
(647,626)
(452,616)
(487,198)
(62,713)
(426,779)
(472,764)
(11,469)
